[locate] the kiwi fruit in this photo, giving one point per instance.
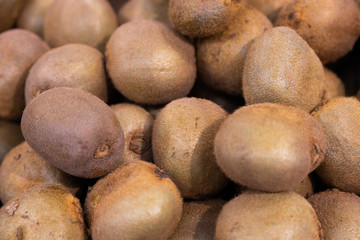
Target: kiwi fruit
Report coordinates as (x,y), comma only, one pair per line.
(71,65)
(22,168)
(19,49)
(269,147)
(90,22)
(149,63)
(220,58)
(117,4)
(270,8)
(10,136)
(136,201)
(305,188)
(75,131)
(339,118)
(183,146)
(334,87)
(257,215)
(136,124)
(330,27)
(280,67)
(33,14)
(338,214)
(9,11)
(198,220)
(43,212)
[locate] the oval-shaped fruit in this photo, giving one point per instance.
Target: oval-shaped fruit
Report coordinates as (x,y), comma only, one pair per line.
(150,63)
(256,215)
(10,136)
(74,131)
(183,145)
(43,212)
(339,118)
(136,201)
(269,147)
(280,67)
(270,8)
(9,11)
(334,87)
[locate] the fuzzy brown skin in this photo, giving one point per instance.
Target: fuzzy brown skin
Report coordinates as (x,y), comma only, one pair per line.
(338,214)
(270,216)
(331,27)
(280,67)
(161,62)
(156,10)
(19,49)
(9,11)
(90,22)
(340,120)
(198,220)
(33,14)
(72,65)
(10,136)
(269,147)
(136,124)
(305,188)
(334,87)
(220,58)
(74,131)
(22,169)
(182,141)
(270,8)
(136,201)
(43,212)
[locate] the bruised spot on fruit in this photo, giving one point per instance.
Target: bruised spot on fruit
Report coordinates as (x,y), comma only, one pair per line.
(20,233)
(160,173)
(12,207)
(17,157)
(291,16)
(103,150)
(138,144)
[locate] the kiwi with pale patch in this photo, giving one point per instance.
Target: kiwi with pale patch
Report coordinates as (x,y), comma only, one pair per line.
(269,147)
(270,8)
(334,87)
(257,215)
(280,67)
(9,11)
(10,136)
(71,65)
(43,212)
(136,201)
(19,49)
(75,131)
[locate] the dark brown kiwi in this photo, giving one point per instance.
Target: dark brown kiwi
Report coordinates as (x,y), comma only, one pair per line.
(339,118)
(90,22)
(43,212)
(71,65)
(256,215)
(330,27)
(280,67)
(19,49)
(74,131)
(338,214)
(269,147)
(22,169)
(183,145)
(334,87)
(9,11)
(220,58)
(162,63)
(136,201)
(10,136)
(270,8)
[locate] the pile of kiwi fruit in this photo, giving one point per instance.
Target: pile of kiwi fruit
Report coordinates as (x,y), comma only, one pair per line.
(179,119)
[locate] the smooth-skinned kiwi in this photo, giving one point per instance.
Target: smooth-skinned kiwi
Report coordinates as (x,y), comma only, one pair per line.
(71,65)
(183,146)
(22,169)
(271,216)
(43,212)
(270,8)
(280,67)
(149,63)
(75,131)
(220,58)
(334,87)
(136,201)
(339,118)
(19,49)
(338,214)
(10,136)
(269,147)
(90,22)
(9,11)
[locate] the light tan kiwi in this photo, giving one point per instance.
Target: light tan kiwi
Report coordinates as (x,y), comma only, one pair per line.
(71,65)
(183,145)
(19,49)
(257,215)
(305,188)
(149,63)
(330,27)
(269,147)
(334,87)
(136,201)
(10,136)
(280,67)
(339,118)
(220,58)
(9,11)
(270,8)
